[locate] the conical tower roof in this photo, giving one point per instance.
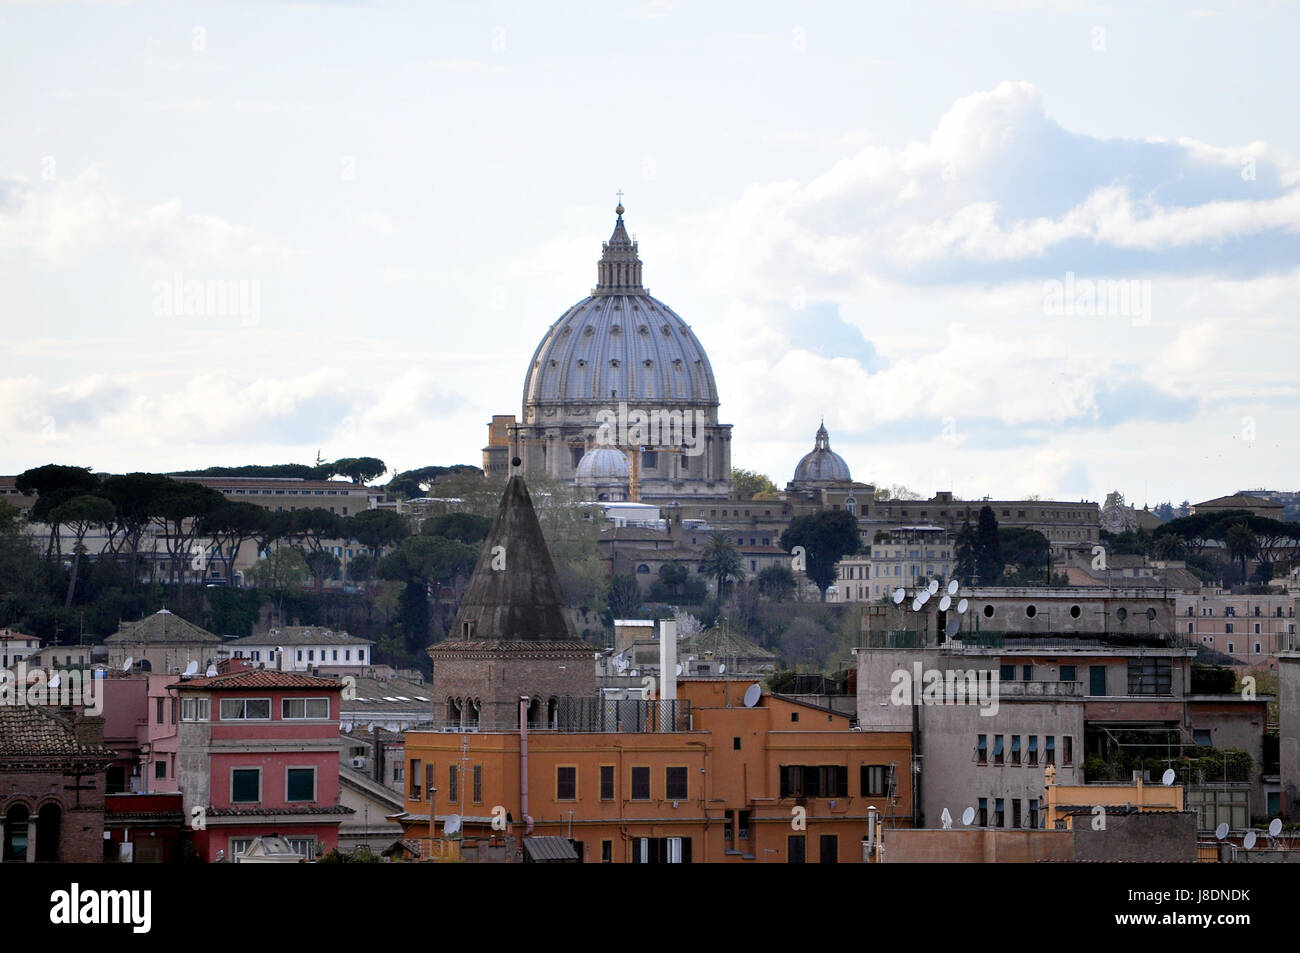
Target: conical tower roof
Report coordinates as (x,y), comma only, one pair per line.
(514,594)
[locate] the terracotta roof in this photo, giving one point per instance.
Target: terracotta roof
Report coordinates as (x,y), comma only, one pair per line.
(162,626)
(33,730)
(266,811)
(257,678)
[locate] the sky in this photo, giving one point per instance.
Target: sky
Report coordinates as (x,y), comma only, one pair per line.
(890,216)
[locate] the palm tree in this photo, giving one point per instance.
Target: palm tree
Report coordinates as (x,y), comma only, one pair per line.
(722,560)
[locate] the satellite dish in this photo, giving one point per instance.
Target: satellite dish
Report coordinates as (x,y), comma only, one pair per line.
(211,672)
(1248,841)
(962,606)
(953,586)
(54,680)
(126,665)
(924,596)
(946,817)
(899,594)
(945,603)
(951,628)
(1275,827)
(752,694)
(452,824)
(933,587)
(722,668)
(190,669)
(916,604)
(1221,831)
(967,816)
(679,668)
(1168,777)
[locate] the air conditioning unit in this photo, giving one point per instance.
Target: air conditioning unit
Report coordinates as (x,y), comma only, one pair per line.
(358,762)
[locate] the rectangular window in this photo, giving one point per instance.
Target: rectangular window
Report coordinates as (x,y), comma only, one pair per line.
(607,782)
(998,756)
(1202,737)
(176,704)
(742,824)
(999,813)
(607,852)
(245,709)
(159,718)
(1015,812)
(453,783)
(417,776)
(292,709)
(1032,757)
(245,785)
(1069,673)
(982,750)
(1067,749)
(478,784)
(1051,750)
(984,812)
(304,847)
(1007,673)
(641,784)
(1026,673)
(675,784)
(875,780)
(238,846)
(796,847)
(195,709)
(829,849)
(1150,676)
(300,784)
(160,769)
(566,783)
(1033,813)
(1015,749)
(735,744)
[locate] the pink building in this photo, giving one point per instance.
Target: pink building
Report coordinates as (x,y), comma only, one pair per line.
(141,722)
(258,754)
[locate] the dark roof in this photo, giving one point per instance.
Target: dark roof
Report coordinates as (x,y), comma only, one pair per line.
(258,678)
(550,849)
(521,602)
(301,635)
(30,730)
(162,626)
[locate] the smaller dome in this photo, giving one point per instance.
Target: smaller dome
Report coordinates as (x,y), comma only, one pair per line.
(822,465)
(603,465)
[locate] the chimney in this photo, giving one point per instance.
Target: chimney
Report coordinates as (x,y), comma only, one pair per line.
(668,659)
(89,729)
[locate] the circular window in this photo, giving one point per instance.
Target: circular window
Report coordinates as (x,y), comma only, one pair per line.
(1151,614)
(1031,611)
(988,612)
(1075,612)
(1121,614)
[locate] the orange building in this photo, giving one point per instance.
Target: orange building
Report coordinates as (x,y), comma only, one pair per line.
(725,782)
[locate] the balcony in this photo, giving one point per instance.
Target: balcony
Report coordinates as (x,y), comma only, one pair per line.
(1040,689)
